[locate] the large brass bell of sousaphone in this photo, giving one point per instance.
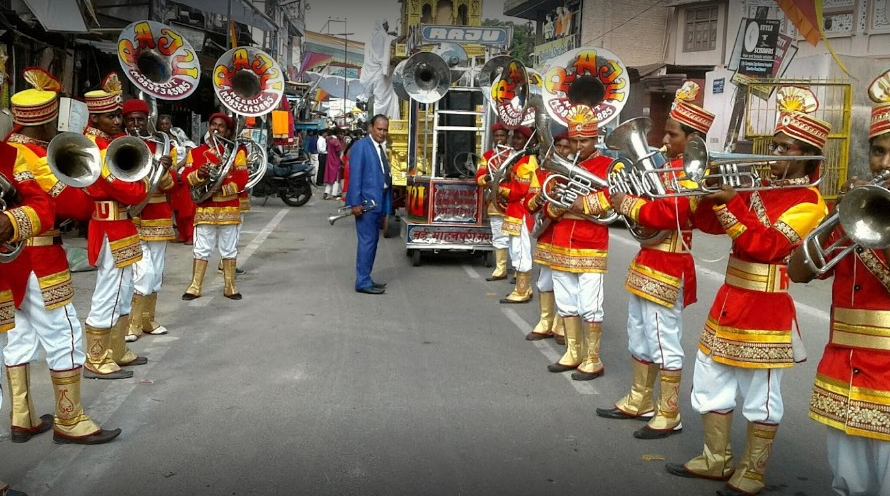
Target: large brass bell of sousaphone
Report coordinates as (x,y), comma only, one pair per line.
(248,81)
(425,77)
(158,60)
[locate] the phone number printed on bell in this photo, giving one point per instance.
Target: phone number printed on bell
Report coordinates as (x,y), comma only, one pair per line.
(256,105)
(173,87)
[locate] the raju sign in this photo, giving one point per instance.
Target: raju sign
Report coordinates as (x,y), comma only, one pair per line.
(495,36)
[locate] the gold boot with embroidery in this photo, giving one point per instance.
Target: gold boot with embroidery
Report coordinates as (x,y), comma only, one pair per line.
(120,352)
(667,421)
(591,367)
(149,324)
(199,267)
(98,364)
(749,475)
(638,403)
(572,356)
(522,292)
(500,265)
(229,290)
(24,421)
(544,329)
(715,462)
(559,328)
(137,314)
(71,424)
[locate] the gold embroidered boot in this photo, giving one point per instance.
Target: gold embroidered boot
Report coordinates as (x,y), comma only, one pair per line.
(199,267)
(591,367)
(71,424)
(749,475)
(24,422)
(667,421)
(715,462)
(120,352)
(572,356)
(137,314)
(559,328)
(149,324)
(229,291)
(98,364)
(500,265)
(638,403)
(522,292)
(548,312)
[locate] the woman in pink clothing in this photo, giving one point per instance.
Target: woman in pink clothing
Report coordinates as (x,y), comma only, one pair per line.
(332,166)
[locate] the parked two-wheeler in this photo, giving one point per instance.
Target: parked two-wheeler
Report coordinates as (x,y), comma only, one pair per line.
(288,177)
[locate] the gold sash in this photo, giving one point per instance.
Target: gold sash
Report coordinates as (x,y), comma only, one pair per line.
(766,278)
(109,210)
(861,328)
(46,239)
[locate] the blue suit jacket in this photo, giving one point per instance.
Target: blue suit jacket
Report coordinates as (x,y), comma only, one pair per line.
(366,178)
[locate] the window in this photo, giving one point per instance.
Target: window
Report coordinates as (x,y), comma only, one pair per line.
(701,29)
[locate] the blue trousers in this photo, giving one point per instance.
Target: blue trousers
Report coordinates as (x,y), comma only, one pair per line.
(367,230)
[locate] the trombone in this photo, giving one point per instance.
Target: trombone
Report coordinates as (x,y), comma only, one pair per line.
(863,217)
(346,211)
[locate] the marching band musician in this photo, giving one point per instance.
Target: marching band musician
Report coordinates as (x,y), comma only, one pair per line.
(852,386)
(661,283)
(750,339)
(42,283)
(550,323)
(32,216)
(517,221)
(180,195)
(580,254)
(500,241)
(155,226)
(217,218)
(112,245)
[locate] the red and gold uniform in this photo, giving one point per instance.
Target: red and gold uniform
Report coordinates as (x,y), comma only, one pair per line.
(518,222)
(181,200)
(500,241)
(750,336)
(216,219)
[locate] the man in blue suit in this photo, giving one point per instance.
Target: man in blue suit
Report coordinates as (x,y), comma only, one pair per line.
(369,181)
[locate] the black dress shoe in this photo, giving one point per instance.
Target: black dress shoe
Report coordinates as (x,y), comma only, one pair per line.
(120,374)
(730,491)
(140,360)
(587,376)
(558,367)
(378,285)
(560,339)
(189,297)
(615,413)
(649,433)
(13,492)
(234,296)
(101,437)
(680,470)
(371,290)
(537,336)
(496,278)
(22,435)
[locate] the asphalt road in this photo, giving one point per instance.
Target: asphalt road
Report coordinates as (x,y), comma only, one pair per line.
(305,387)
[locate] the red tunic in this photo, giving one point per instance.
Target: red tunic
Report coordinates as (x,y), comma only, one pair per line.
(32,217)
(223,207)
(852,387)
(181,193)
(750,322)
(489,157)
(579,244)
(535,205)
(522,174)
(110,217)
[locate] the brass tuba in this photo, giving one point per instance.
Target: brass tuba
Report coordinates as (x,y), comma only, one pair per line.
(8,199)
(161,63)
(249,83)
(425,77)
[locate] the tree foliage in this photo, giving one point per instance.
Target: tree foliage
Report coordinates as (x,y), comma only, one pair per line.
(523,43)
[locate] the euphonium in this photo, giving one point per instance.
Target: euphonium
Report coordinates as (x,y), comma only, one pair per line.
(573,182)
(8,251)
(863,216)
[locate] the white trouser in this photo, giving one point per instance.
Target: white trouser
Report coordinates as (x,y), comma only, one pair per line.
(654,332)
(499,239)
(332,189)
(113,294)
(313,162)
(715,386)
(207,236)
(545,278)
(521,250)
(579,294)
(148,273)
(861,465)
(58,330)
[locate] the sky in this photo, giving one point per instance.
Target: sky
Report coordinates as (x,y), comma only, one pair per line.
(360,14)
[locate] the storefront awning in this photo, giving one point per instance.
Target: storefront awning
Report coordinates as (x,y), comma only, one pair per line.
(58,15)
(243,11)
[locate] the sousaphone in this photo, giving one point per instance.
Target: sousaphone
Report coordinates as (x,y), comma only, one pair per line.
(424,77)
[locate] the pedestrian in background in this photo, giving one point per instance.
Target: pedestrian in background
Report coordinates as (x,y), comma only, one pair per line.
(321,144)
(332,165)
(312,150)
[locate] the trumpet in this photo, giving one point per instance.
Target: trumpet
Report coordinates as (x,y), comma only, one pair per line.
(346,211)
(8,194)
(862,215)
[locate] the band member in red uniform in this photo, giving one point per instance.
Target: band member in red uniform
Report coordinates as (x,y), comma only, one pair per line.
(42,284)
(500,241)
(155,226)
(580,251)
(112,245)
(750,339)
(217,218)
(549,324)
(181,193)
(517,220)
(852,390)
(661,283)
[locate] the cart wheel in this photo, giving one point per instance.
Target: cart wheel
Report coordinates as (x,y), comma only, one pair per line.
(486,258)
(415,258)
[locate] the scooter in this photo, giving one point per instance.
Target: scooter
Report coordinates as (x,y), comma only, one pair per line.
(288,177)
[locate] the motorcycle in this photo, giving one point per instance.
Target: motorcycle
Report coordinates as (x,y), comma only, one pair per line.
(288,177)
